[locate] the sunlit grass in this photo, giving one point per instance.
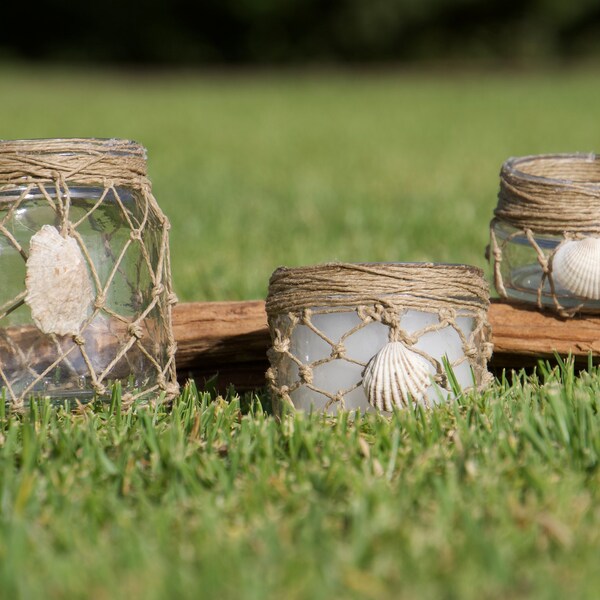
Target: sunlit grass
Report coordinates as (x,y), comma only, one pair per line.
(494,496)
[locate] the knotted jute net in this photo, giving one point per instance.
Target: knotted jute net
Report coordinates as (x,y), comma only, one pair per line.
(546,197)
(87,296)
(375,293)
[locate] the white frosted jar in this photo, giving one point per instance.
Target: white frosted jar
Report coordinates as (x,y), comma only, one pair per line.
(383,340)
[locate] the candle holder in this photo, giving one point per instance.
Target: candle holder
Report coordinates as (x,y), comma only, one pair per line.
(376,336)
(86,294)
(545,236)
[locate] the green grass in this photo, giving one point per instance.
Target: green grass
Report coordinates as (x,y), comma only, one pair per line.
(494,496)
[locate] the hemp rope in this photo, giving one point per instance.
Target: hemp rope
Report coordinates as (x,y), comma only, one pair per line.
(551,193)
(554,194)
(48,168)
(376,292)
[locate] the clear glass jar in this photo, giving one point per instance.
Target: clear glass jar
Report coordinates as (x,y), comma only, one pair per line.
(545,236)
(121,292)
(523,274)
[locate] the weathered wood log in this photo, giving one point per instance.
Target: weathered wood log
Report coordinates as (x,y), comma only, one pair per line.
(231,339)
(225,338)
(522,335)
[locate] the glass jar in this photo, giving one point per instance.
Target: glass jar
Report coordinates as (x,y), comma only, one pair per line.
(545,235)
(376,336)
(86,294)
(526,273)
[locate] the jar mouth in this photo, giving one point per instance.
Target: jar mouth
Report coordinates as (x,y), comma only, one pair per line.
(434,285)
(562,169)
(416,266)
(74,146)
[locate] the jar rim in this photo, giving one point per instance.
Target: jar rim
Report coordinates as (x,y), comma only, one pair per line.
(437,285)
(72,146)
(416,265)
(514,166)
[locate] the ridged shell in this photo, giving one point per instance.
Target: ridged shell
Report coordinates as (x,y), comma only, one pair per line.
(395,377)
(59,290)
(576,266)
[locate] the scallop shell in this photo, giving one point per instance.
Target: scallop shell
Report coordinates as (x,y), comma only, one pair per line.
(576,266)
(396,377)
(59,289)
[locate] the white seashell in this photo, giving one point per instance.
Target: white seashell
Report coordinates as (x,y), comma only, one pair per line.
(59,289)
(395,377)
(576,266)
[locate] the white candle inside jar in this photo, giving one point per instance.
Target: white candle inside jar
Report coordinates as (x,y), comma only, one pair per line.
(342,374)
(383,349)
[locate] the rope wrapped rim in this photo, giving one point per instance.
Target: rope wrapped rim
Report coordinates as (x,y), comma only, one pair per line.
(86,161)
(429,286)
(551,193)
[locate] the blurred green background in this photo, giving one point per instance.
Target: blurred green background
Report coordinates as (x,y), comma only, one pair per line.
(257,170)
(297,131)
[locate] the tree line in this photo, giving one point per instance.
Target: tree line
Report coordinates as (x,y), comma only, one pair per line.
(299,31)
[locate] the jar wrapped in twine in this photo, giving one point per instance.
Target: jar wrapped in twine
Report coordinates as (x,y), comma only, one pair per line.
(376,336)
(545,235)
(86,291)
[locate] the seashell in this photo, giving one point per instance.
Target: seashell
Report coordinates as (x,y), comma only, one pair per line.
(576,266)
(59,289)
(395,377)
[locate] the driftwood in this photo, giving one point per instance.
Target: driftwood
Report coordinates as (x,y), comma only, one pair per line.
(231,339)
(225,338)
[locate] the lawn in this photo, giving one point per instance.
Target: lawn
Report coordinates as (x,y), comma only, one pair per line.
(493,496)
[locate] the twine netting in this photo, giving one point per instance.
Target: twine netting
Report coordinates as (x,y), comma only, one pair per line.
(377,293)
(95,192)
(553,195)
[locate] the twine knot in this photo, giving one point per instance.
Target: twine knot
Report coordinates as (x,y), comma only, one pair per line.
(281,345)
(338,397)
(397,334)
(100,301)
(447,316)
(306,316)
(271,375)
(471,352)
(306,375)
(338,351)
(135,330)
(171,389)
(364,314)
(99,388)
